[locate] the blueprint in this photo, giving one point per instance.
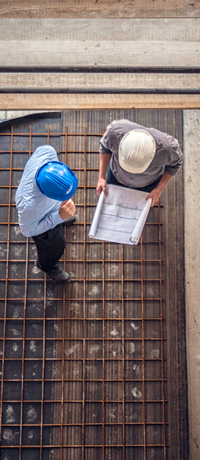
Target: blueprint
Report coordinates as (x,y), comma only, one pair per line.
(120,215)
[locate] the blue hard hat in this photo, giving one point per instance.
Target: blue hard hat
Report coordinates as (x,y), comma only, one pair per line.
(56,180)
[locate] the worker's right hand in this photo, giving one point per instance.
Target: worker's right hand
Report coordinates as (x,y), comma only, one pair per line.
(101,185)
(67,209)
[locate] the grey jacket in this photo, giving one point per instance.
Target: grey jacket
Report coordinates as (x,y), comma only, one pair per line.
(168,157)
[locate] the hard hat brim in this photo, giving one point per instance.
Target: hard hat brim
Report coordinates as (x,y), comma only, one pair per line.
(132,169)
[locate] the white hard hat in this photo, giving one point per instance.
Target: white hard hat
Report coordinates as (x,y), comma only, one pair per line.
(136,151)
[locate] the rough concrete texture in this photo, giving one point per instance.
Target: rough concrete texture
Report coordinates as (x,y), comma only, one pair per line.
(83,43)
(133,29)
(3,115)
(192,272)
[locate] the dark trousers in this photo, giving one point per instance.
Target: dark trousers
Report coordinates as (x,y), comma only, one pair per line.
(50,247)
(110,179)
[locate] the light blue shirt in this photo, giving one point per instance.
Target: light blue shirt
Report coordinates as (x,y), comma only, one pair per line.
(36,212)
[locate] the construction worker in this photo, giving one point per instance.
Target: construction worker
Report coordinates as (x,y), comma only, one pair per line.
(44,206)
(137,157)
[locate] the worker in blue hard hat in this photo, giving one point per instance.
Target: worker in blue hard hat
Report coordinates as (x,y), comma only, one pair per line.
(44,206)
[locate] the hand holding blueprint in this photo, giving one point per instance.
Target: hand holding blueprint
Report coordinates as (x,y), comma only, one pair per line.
(120,215)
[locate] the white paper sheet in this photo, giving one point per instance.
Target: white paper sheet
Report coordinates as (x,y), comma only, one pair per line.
(120,215)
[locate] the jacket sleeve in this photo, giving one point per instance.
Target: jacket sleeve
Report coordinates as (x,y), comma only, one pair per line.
(110,141)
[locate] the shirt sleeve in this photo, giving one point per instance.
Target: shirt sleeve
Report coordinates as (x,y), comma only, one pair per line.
(175,158)
(29,228)
(105,144)
(110,141)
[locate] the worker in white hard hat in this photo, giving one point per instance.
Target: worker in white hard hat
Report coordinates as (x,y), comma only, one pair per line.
(137,157)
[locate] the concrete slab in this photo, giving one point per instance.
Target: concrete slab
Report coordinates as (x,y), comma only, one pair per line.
(192,271)
(96,54)
(131,29)
(2,115)
(98,81)
(21,113)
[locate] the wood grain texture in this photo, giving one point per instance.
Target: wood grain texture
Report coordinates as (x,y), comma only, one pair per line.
(102,8)
(95,101)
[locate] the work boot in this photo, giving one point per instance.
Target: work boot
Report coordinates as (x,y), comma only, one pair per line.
(69,221)
(58,274)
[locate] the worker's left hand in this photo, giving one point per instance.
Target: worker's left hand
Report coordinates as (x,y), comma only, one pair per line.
(154,195)
(67,209)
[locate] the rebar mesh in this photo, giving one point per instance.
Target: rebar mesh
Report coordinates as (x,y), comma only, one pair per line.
(84,365)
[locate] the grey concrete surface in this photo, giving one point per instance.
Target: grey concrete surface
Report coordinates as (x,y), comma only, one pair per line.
(79,43)
(70,53)
(192,272)
(133,29)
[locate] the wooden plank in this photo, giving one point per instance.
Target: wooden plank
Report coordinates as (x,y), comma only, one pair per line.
(82,54)
(96,101)
(179,29)
(97,81)
(89,8)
